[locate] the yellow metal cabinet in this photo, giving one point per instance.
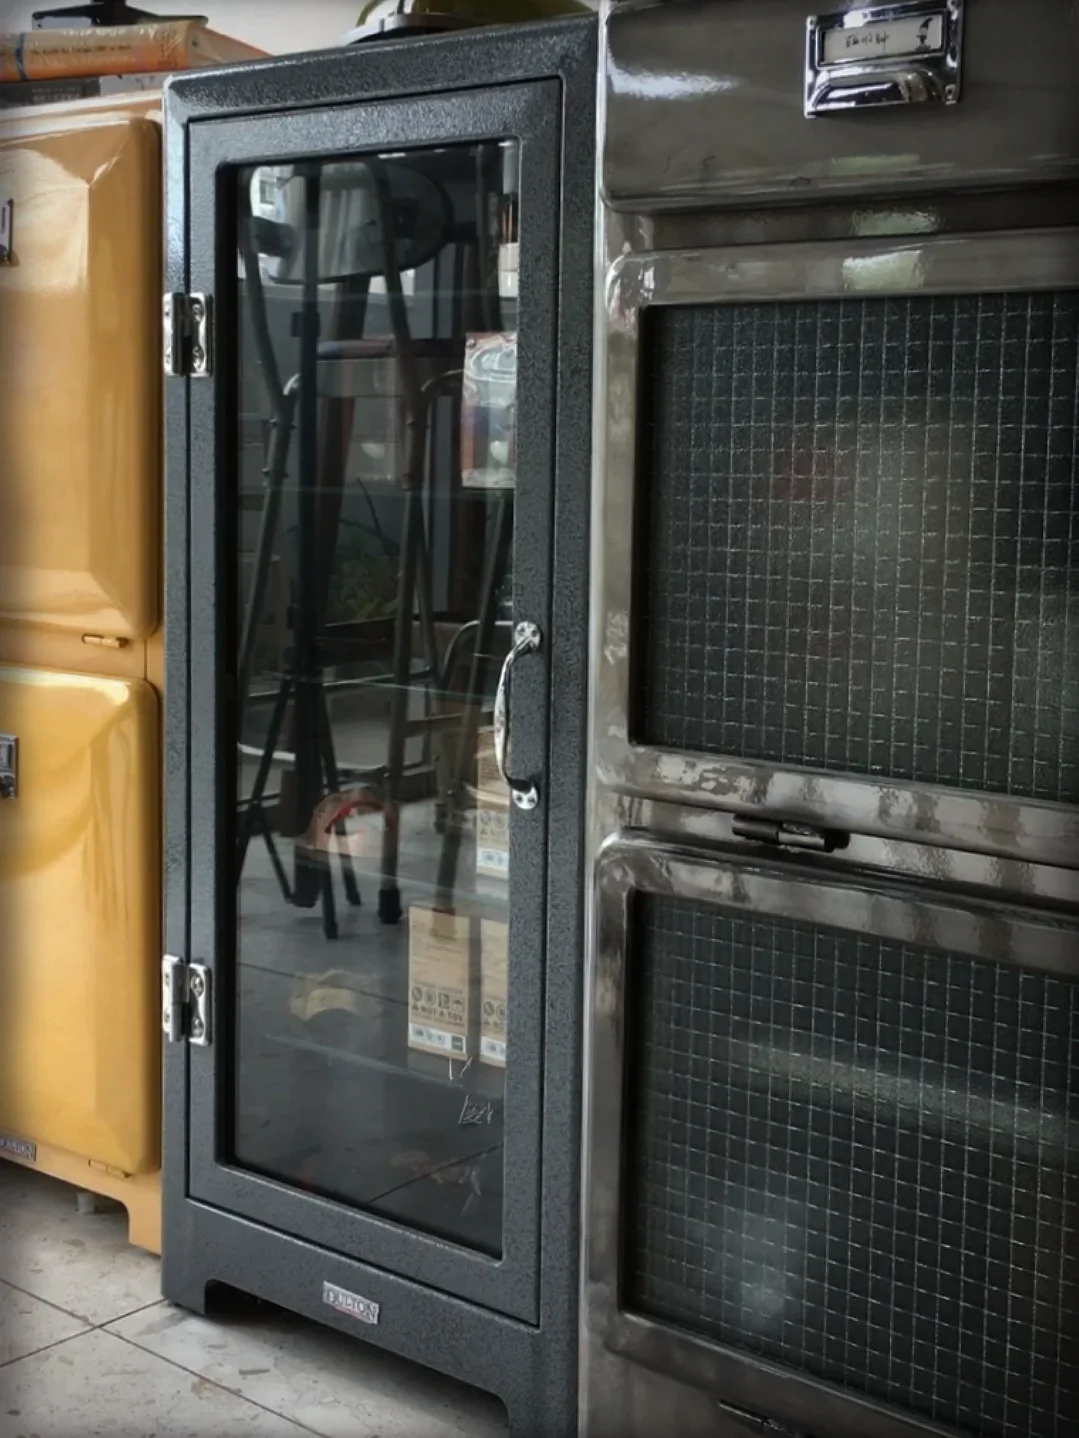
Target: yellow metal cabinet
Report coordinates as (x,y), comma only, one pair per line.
(79,375)
(80,671)
(79,849)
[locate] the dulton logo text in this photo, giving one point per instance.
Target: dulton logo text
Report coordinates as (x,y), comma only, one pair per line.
(350,1303)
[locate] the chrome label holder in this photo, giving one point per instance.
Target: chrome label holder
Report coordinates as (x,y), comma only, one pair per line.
(880,56)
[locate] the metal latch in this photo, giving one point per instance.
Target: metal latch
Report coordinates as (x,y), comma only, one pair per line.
(9,766)
(788,836)
(187,336)
(7,231)
(185,1001)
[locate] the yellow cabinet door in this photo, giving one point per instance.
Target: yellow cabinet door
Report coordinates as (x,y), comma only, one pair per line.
(79,917)
(80,373)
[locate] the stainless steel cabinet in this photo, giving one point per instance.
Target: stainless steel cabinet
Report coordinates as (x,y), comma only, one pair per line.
(834,818)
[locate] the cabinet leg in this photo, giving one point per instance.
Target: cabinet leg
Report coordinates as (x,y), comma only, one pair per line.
(536,1419)
(524,1423)
(143,1204)
(186,1290)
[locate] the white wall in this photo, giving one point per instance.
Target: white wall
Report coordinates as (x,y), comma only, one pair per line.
(278,26)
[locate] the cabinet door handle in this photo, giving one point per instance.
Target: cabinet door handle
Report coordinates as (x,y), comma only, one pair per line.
(900,87)
(526,640)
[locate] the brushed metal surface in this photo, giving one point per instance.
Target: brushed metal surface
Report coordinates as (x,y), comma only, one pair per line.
(703,105)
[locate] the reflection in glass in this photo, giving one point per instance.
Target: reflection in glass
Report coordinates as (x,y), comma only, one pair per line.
(376,332)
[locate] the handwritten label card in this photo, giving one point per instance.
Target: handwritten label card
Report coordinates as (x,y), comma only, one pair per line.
(888,40)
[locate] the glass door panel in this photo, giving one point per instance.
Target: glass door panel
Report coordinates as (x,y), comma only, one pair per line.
(371,620)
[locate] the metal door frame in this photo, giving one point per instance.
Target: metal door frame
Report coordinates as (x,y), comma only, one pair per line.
(820,893)
(529,112)
(1028,831)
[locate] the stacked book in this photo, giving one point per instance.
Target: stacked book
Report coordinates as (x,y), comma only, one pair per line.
(45,66)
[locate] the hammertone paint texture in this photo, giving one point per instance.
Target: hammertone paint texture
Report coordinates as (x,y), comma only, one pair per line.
(529,1362)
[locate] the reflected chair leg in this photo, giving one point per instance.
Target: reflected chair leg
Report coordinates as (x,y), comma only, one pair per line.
(329,907)
(307,744)
(477,681)
(268,525)
(258,789)
(306,875)
(333,785)
(389,896)
(275,857)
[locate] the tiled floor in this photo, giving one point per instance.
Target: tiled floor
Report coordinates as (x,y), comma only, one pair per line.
(88,1348)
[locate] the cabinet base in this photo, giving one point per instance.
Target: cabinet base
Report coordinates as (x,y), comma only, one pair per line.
(532,1371)
(139,1194)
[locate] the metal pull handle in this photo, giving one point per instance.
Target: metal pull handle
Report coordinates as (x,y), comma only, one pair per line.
(901,87)
(526,640)
(788,836)
(753,1423)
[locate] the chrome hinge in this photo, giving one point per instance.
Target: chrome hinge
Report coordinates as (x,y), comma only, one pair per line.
(185,1002)
(788,836)
(187,322)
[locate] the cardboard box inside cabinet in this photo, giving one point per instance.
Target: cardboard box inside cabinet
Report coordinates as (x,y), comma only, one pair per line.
(440,982)
(492,812)
(494,989)
(489,412)
(490,786)
(493,842)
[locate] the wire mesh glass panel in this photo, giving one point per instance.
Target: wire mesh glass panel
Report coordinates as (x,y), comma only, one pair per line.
(859,534)
(860,1159)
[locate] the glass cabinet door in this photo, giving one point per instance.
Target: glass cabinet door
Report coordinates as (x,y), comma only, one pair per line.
(372,646)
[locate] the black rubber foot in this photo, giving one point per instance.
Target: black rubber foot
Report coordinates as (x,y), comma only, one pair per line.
(389,905)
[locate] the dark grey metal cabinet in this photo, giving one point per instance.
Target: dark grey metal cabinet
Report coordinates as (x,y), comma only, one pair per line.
(378,408)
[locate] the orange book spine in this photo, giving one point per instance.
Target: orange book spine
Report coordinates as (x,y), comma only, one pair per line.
(113,50)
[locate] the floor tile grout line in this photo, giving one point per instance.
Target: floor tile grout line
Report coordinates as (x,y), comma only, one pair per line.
(103,1325)
(29,1293)
(45,1347)
(89,1323)
(214,1383)
(130,1313)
